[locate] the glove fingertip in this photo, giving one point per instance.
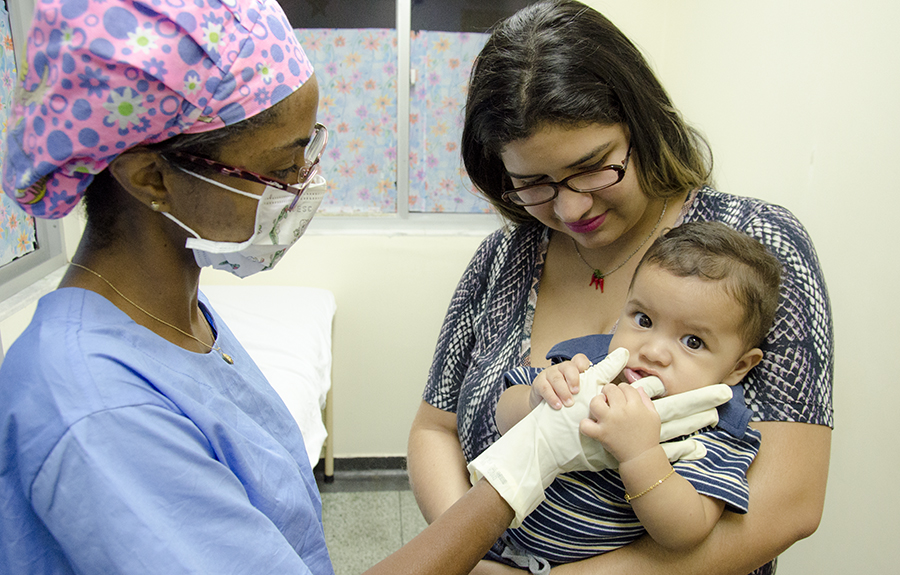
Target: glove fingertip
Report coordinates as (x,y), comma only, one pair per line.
(607,369)
(699,452)
(617,356)
(651,385)
(685,450)
(723,391)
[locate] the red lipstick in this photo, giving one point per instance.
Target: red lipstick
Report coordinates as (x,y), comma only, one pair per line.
(588,225)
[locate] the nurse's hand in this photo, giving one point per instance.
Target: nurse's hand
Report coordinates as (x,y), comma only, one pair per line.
(680,415)
(547,442)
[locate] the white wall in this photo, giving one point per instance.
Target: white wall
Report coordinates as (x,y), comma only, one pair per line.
(799,99)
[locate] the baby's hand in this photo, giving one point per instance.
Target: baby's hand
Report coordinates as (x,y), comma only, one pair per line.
(558,383)
(626,421)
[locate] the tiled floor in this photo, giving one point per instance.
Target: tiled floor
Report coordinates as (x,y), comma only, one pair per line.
(367,516)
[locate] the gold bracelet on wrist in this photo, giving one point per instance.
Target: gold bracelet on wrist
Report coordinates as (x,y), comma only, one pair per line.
(630,498)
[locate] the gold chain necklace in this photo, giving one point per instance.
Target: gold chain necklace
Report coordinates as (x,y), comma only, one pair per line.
(215,347)
(597,277)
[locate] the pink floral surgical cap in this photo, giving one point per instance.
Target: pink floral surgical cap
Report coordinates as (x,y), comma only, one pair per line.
(102,76)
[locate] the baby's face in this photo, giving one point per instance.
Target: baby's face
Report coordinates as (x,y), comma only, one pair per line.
(684,330)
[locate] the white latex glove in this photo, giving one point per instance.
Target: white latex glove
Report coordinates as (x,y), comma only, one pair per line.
(680,414)
(547,442)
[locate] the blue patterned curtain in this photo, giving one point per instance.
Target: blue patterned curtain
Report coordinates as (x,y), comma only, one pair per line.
(438,181)
(17,231)
(357,73)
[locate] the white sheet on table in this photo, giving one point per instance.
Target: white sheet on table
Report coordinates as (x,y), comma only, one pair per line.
(287,332)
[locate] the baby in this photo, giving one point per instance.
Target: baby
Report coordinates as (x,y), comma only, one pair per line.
(699,307)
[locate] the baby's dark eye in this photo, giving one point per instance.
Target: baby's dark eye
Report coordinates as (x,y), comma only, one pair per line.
(643,320)
(693,342)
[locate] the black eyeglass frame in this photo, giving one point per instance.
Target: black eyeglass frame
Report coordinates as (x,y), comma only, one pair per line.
(304,177)
(618,168)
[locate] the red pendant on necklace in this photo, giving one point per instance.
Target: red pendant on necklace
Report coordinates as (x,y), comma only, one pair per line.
(597,280)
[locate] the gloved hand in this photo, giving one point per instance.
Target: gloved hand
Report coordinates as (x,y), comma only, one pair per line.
(680,415)
(547,442)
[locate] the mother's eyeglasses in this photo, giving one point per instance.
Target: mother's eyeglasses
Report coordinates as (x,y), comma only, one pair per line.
(311,155)
(582,182)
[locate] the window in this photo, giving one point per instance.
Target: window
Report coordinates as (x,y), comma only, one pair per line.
(392,81)
(357,73)
(440,63)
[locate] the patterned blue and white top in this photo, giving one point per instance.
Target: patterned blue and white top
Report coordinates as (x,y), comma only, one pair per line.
(487,330)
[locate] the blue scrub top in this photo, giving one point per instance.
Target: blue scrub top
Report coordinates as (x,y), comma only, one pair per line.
(123,453)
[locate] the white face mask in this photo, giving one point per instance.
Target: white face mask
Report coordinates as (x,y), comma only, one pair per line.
(275,230)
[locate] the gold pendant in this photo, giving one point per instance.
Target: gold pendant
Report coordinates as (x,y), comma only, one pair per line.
(227,358)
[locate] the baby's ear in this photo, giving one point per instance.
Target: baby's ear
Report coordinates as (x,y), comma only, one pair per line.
(746,362)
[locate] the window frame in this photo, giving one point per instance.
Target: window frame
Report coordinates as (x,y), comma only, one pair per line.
(23,272)
(404,222)
(27,270)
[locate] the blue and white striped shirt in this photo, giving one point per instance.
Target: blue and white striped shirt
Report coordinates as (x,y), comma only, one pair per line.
(585,513)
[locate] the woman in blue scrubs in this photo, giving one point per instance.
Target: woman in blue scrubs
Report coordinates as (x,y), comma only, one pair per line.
(137,435)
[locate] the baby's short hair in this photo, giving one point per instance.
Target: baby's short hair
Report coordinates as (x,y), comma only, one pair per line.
(713,251)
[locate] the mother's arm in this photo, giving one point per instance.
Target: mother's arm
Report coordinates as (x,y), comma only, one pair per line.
(437,467)
(437,471)
(787,493)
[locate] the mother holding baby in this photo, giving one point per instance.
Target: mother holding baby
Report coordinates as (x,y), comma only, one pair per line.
(571,137)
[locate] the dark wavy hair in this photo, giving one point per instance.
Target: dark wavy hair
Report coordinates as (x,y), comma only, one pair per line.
(713,251)
(560,62)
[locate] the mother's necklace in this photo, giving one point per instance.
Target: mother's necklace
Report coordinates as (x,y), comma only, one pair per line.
(597,277)
(214,347)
